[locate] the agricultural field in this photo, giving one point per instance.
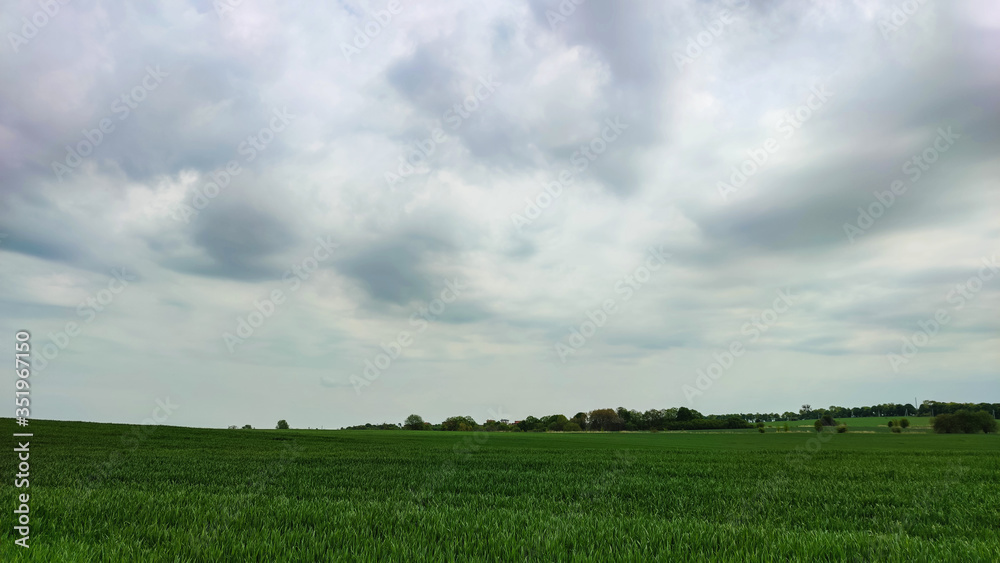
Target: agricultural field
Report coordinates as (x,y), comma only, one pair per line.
(918,424)
(101,492)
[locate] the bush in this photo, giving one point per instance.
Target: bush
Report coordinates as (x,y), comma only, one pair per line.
(964,421)
(818,425)
(247,427)
(892,423)
(282,425)
(904,423)
(516,429)
(760,429)
(842,429)
(572,427)
(760,425)
(786,427)
(896,429)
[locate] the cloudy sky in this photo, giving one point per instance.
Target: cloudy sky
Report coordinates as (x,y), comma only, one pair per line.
(354,212)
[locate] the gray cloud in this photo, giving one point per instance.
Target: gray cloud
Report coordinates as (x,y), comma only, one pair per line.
(529,287)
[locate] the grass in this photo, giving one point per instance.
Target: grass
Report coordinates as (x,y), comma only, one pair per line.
(184,494)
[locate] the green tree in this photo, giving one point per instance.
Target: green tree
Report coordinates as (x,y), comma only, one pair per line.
(818,425)
(414,422)
(605,419)
(964,421)
(684,414)
(460,423)
(282,425)
(904,423)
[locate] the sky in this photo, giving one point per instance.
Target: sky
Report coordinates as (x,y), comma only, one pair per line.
(234,212)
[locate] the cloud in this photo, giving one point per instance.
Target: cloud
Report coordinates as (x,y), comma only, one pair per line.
(541,92)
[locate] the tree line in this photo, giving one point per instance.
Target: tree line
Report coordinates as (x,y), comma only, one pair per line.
(678,418)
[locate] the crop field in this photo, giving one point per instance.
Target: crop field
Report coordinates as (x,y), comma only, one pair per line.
(103,492)
(863,424)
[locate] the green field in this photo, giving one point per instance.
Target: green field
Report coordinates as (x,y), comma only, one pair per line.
(180,494)
(862,424)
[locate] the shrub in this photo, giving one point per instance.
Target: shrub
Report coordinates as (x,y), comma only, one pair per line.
(842,429)
(818,425)
(760,429)
(896,429)
(964,421)
(786,427)
(572,427)
(247,427)
(904,422)
(760,425)
(282,425)
(892,423)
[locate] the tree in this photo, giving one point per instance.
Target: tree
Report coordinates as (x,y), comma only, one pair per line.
(964,421)
(904,423)
(460,423)
(247,427)
(232,427)
(818,425)
(605,419)
(282,425)
(571,426)
(684,414)
(805,410)
(414,422)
